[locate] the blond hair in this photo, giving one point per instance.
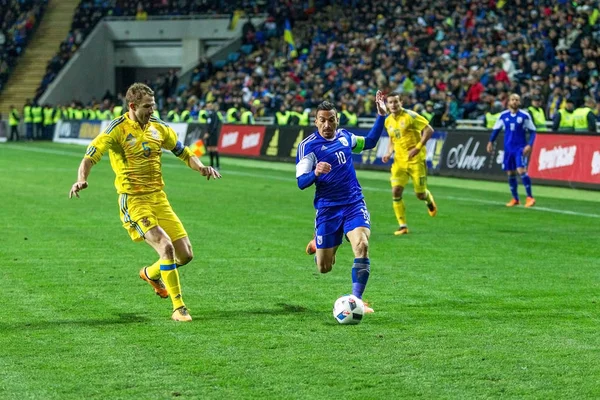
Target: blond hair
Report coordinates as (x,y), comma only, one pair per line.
(136,92)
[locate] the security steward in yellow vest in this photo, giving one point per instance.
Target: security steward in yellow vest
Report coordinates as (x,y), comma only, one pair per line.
(28,119)
(428,111)
(185,116)
(117,111)
(282,117)
(537,114)
(490,119)
(173,115)
(48,122)
(13,121)
(349,117)
(202,115)
(233,115)
(38,121)
(247,118)
(299,117)
(564,120)
(584,117)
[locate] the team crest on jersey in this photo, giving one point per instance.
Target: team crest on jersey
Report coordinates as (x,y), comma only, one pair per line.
(344,141)
(131,139)
(145,222)
(154,133)
(519,120)
(319,240)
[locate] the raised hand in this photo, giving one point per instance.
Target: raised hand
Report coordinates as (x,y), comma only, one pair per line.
(380,103)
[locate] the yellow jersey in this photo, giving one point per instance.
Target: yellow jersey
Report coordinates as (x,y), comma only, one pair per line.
(405,132)
(135,153)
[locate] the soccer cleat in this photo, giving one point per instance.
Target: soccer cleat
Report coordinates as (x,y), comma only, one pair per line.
(311,247)
(403,230)
(368,310)
(181,315)
(530,202)
(513,202)
(432,207)
(157,285)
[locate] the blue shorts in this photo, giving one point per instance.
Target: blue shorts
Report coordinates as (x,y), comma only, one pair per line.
(514,159)
(331,223)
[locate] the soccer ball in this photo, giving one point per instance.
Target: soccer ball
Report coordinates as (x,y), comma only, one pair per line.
(348,310)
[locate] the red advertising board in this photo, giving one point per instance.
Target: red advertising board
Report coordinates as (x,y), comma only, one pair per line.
(566,158)
(242,140)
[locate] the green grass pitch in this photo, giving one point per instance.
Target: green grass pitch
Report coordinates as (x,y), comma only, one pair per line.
(479,302)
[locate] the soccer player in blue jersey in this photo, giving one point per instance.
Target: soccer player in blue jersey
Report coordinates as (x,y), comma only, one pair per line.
(516,123)
(325,159)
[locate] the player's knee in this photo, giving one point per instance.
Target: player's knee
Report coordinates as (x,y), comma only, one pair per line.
(185,259)
(361,249)
(168,249)
(324,266)
(397,191)
(421,196)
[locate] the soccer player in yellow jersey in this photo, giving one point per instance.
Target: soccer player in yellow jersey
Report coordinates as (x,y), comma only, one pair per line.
(408,132)
(135,141)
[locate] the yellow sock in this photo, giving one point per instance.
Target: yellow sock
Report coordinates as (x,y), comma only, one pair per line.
(170,276)
(400,211)
(153,271)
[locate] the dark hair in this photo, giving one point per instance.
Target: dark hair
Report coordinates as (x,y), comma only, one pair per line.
(394,94)
(326,106)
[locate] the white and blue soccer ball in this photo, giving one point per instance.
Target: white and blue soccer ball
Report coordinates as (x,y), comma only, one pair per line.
(348,310)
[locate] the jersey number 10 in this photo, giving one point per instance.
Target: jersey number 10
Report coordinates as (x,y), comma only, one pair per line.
(341,157)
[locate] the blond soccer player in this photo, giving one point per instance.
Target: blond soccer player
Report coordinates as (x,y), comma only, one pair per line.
(408,132)
(135,141)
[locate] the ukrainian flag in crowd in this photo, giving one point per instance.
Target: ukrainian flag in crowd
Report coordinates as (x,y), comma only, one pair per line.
(289,39)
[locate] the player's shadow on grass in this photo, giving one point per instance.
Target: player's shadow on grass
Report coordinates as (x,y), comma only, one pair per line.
(119,319)
(282,309)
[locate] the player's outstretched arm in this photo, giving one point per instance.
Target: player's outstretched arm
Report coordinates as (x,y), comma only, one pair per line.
(209,172)
(82,174)
(370,141)
(185,154)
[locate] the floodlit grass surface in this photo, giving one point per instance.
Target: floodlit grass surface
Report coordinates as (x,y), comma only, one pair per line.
(479,302)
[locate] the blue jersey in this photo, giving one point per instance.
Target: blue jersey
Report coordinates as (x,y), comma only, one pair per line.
(515,129)
(339,186)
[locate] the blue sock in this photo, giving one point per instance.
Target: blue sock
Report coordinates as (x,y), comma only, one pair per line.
(512,182)
(527,183)
(360,275)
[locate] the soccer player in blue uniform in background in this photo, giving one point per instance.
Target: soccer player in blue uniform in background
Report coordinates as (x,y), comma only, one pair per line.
(516,147)
(325,159)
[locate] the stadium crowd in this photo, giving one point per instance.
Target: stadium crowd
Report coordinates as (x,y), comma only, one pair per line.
(18,18)
(451,59)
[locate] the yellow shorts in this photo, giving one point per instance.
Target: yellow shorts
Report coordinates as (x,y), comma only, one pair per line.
(142,212)
(416,170)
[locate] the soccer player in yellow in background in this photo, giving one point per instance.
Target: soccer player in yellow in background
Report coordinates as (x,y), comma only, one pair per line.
(408,132)
(135,141)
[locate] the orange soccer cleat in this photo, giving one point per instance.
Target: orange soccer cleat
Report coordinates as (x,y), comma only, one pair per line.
(530,202)
(513,202)
(311,247)
(181,314)
(432,207)
(403,230)
(157,285)
(368,309)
